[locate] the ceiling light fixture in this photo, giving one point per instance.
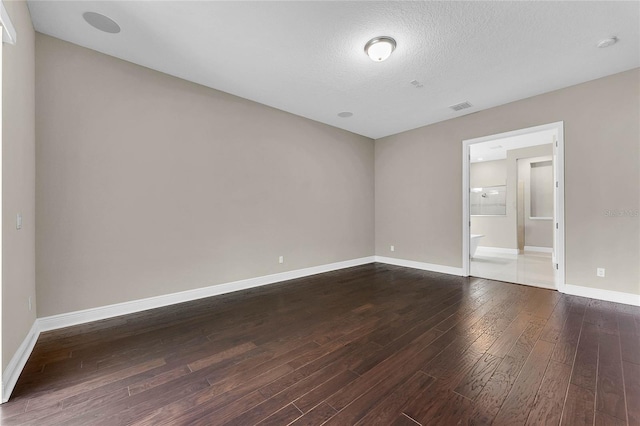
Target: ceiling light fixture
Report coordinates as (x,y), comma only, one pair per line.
(608,42)
(101,22)
(380,48)
(345,114)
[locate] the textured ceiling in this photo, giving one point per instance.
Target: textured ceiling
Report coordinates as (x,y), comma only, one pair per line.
(307,58)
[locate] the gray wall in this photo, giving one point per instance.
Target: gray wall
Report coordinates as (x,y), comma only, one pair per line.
(148,184)
(419,180)
(18,182)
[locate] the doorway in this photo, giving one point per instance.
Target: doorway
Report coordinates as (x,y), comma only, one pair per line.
(513,206)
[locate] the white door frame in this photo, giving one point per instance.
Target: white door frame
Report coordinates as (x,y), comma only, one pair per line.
(2,31)
(559,196)
(7,35)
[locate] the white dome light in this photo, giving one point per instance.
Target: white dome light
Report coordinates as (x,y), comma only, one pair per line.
(380,48)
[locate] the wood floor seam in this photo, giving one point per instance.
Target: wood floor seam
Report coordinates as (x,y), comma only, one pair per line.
(624,388)
(372,344)
(412,419)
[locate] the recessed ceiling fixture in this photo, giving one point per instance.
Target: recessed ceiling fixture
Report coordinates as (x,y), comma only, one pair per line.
(101,22)
(608,42)
(345,114)
(380,48)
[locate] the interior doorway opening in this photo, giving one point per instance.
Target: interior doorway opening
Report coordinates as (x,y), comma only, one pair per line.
(513,206)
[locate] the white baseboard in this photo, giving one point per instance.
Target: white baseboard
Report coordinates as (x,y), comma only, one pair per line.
(598,293)
(538,249)
(14,368)
(94,314)
(497,250)
(19,360)
(420,265)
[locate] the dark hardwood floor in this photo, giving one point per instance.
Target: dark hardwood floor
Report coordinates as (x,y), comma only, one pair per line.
(374,344)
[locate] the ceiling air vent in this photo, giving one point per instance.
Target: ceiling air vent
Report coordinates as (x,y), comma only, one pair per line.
(461,106)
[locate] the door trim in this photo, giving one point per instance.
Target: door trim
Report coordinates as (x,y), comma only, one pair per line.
(559,196)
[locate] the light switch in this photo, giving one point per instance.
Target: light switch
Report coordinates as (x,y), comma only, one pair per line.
(19,221)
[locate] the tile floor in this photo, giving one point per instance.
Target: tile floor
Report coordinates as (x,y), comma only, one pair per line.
(531,268)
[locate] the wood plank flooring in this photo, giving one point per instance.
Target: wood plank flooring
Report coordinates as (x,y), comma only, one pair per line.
(370,345)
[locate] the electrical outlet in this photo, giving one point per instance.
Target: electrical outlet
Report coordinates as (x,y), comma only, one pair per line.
(600,272)
(392,248)
(30,306)
(19,221)
(281,259)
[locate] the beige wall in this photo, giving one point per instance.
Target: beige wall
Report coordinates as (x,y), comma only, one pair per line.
(496,229)
(533,230)
(148,184)
(419,180)
(537,232)
(501,231)
(18,182)
(488,173)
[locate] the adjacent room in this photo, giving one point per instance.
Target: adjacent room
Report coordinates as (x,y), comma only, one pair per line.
(512,211)
(314,212)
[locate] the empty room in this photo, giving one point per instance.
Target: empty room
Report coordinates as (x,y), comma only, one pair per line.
(320,212)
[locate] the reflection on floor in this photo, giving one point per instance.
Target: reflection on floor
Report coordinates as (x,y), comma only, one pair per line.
(531,268)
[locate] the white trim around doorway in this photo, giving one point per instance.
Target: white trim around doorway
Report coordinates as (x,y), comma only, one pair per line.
(559,199)
(2,390)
